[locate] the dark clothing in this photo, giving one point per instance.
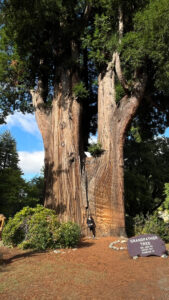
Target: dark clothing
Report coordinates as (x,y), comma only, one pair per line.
(91,225)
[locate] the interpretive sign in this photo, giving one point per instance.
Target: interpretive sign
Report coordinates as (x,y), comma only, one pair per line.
(146,245)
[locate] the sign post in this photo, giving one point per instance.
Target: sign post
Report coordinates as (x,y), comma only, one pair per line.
(146,245)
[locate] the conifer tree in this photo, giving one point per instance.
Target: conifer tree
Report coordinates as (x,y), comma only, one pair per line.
(52,51)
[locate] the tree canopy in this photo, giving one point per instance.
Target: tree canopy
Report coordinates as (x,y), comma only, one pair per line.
(70,56)
(53,30)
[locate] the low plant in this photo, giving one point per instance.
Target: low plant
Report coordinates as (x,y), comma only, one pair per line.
(151,224)
(38,228)
(68,235)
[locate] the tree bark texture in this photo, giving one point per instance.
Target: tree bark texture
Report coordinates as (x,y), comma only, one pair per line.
(72,184)
(106,174)
(60,129)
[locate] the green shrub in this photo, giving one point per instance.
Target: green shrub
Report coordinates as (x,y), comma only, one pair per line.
(95,149)
(69,235)
(151,224)
(15,231)
(38,228)
(42,226)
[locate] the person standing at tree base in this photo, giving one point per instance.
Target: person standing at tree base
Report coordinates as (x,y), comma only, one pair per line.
(91,225)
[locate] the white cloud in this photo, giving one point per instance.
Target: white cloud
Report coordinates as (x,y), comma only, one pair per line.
(93,139)
(31,162)
(25,121)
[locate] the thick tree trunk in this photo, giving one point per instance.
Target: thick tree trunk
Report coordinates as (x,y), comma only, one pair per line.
(68,189)
(105,174)
(60,129)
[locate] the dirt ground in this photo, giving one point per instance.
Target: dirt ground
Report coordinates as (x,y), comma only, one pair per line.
(92,271)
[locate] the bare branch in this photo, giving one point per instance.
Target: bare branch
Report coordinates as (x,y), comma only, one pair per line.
(119,73)
(121,24)
(37,100)
(87,12)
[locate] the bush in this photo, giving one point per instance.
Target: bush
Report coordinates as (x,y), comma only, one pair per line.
(151,224)
(69,234)
(38,228)
(15,231)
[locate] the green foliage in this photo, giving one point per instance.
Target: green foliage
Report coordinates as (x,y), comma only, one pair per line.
(68,235)
(135,133)
(152,27)
(80,91)
(146,172)
(119,92)
(15,192)
(101,40)
(8,154)
(34,190)
(151,224)
(17,228)
(166,192)
(36,42)
(38,228)
(95,149)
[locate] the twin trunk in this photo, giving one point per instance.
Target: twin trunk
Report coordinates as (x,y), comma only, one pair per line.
(73,182)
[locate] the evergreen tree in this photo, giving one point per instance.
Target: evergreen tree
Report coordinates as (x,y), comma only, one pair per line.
(8,153)
(52,52)
(15,193)
(146,173)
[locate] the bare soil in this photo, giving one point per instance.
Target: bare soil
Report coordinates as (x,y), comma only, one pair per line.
(92,271)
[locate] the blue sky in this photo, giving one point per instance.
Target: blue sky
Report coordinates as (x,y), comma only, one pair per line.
(30,148)
(24,130)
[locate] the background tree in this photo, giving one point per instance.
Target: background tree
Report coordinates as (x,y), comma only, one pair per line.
(15,192)
(35,189)
(146,173)
(8,153)
(53,51)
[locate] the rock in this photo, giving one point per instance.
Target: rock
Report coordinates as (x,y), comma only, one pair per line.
(111,245)
(57,251)
(164,256)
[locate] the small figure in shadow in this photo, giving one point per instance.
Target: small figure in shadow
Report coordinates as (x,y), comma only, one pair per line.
(91,225)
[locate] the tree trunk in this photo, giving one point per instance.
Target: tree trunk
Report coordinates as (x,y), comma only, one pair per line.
(60,128)
(72,184)
(105,173)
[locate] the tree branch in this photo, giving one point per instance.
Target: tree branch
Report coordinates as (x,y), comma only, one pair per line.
(37,100)
(121,24)
(86,13)
(119,73)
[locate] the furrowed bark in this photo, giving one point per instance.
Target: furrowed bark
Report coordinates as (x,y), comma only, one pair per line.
(106,174)
(60,129)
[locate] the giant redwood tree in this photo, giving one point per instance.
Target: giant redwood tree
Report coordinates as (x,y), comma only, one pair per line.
(52,52)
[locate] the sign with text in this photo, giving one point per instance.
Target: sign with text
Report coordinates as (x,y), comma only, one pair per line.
(146,245)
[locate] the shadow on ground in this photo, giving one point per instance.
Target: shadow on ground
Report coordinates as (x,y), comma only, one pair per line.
(6,261)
